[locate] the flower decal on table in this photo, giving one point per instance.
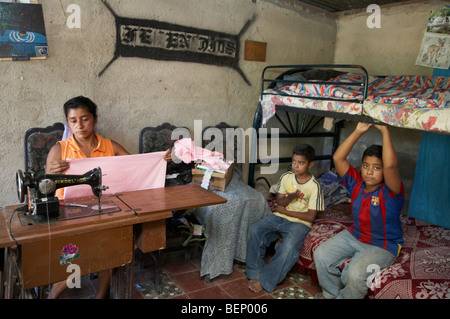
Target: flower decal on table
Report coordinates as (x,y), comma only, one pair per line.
(68,254)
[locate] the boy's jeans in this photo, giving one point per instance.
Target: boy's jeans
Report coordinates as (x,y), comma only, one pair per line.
(260,236)
(351,282)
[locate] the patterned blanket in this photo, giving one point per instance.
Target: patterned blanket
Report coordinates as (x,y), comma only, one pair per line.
(417,102)
(408,90)
(226,226)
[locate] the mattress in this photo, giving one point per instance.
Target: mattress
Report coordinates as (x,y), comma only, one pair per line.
(408,101)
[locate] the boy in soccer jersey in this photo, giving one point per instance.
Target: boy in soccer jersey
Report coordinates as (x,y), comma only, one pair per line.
(299,197)
(375,238)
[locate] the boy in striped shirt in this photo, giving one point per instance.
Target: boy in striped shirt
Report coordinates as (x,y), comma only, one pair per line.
(375,238)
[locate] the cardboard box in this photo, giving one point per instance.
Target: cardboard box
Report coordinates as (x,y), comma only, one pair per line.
(218,181)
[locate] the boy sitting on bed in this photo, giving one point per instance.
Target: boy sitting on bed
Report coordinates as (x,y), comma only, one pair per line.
(298,199)
(375,238)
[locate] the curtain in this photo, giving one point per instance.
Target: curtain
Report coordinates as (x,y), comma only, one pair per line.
(430,193)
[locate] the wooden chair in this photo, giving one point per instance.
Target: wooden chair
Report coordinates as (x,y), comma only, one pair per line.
(229,143)
(161,138)
(37,143)
(227,224)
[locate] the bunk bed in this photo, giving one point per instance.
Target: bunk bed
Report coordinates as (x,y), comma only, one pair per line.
(297,98)
(408,101)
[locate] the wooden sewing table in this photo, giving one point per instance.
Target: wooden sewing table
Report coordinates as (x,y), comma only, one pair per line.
(104,241)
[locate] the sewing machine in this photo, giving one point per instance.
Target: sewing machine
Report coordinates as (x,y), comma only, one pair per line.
(40,190)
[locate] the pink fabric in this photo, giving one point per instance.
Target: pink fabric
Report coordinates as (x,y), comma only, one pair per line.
(186,150)
(120,173)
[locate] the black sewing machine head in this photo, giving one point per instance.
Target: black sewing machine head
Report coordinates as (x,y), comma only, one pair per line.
(40,190)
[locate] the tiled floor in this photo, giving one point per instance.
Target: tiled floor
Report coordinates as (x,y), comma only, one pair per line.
(181,279)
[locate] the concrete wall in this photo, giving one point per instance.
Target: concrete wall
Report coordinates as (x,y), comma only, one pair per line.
(391,49)
(135,92)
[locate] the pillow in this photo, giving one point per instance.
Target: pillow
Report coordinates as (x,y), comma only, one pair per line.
(333,191)
(321,75)
(294,78)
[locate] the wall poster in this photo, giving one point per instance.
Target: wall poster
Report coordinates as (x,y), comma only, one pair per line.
(22,31)
(435,48)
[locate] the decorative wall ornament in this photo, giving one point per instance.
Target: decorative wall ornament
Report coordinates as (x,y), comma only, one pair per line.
(151,39)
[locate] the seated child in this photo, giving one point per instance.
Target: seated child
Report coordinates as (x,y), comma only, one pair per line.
(298,199)
(375,238)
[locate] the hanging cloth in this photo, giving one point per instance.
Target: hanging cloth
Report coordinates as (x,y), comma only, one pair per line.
(120,173)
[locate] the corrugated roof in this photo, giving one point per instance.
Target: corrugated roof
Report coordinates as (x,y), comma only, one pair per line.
(345,5)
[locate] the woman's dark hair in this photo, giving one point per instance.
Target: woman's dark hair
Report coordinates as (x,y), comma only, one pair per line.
(305,150)
(81,101)
(374,150)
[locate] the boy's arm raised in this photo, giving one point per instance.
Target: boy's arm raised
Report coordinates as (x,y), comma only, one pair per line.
(390,163)
(340,156)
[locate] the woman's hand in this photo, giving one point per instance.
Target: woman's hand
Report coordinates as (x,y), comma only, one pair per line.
(168,155)
(56,167)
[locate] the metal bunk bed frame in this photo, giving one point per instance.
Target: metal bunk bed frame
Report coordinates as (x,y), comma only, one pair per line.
(303,127)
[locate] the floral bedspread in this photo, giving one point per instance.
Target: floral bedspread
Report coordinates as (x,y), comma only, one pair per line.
(426,119)
(421,271)
(416,102)
(327,224)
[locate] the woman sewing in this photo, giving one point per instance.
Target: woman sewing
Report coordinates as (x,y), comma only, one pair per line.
(81,115)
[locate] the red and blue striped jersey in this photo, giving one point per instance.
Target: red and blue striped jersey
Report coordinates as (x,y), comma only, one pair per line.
(376,215)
